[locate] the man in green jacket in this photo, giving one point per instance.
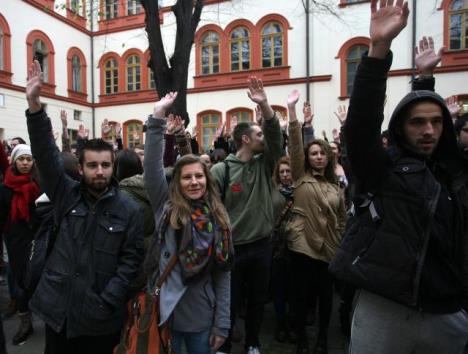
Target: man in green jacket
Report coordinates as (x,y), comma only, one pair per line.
(244,180)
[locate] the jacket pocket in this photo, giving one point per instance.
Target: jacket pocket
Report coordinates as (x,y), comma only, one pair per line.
(108,239)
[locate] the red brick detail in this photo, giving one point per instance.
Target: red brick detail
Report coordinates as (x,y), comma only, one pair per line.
(451,57)
(342,54)
(6,74)
(77,95)
(32,36)
(47,5)
(78,18)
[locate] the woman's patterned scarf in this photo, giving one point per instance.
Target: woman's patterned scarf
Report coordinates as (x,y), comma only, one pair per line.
(202,241)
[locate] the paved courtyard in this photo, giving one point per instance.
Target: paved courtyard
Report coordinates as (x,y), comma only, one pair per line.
(35,345)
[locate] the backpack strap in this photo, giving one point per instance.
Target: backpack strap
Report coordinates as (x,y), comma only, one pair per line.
(226,180)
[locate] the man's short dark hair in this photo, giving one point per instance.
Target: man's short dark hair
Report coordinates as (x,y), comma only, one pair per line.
(243,128)
(20,140)
(95,145)
(460,123)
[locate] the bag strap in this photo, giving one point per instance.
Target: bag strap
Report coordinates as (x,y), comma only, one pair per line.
(170,265)
(226,180)
(286,208)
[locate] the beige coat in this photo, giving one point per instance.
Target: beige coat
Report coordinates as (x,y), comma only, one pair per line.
(319,208)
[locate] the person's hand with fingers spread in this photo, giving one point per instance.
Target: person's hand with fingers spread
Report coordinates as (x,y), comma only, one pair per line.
(33,87)
(82,132)
(453,106)
(336,135)
(341,114)
(293,98)
(308,114)
(105,129)
(426,59)
(258,95)
(163,105)
(387,21)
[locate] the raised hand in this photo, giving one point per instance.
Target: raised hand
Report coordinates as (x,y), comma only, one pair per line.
(386,23)
(256,92)
(63,118)
(34,86)
(163,104)
(425,56)
(336,135)
(341,113)
(308,114)
(453,106)
(118,130)
(105,128)
(293,97)
(82,132)
(283,121)
(170,120)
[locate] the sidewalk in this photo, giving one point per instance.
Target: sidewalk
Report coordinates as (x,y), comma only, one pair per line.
(35,345)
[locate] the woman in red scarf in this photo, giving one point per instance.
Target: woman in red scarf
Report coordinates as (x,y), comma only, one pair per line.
(17,196)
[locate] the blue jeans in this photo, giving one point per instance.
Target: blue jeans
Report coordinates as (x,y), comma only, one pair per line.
(195,342)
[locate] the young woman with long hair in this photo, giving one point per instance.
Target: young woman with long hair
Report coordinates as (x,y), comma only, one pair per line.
(315,231)
(17,196)
(192,223)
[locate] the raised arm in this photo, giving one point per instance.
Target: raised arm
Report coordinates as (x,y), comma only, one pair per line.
(296,147)
(426,59)
(46,155)
(365,112)
(271,127)
(308,129)
(65,138)
(155,178)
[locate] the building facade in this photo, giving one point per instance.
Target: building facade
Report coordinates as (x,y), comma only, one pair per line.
(94,56)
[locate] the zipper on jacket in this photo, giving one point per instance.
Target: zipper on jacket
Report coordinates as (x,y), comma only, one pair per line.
(421,257)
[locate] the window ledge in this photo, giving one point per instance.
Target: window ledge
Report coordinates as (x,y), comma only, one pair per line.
(77,95)
(343,3)
(125,22)
(49,88)
(76,18)
(129,97)
(455,57)
(239,78)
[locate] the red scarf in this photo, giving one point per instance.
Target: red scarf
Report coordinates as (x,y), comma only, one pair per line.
(25,191)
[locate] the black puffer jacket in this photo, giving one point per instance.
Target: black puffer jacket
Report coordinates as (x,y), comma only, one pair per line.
(98,249)
(409,240)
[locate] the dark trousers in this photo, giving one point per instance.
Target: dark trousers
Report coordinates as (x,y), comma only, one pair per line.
(280,287)
(58,343)
(2,339)
(304,271)
(250,278)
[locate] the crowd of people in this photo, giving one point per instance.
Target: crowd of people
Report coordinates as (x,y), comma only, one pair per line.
(270,213)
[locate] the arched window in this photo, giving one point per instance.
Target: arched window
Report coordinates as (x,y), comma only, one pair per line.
(133,7)
(111,75)
(151,83)
(133,133)
(458,17)
(76,74)
(210,53)
(111,9)
(272,45)
(240,49)
(353,58)
(209,123)
(41,54)
(133,73)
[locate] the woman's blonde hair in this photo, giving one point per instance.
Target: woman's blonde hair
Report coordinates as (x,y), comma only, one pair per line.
(180,210)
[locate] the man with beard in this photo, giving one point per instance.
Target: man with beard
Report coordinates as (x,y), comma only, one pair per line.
(98,247)
(244,180)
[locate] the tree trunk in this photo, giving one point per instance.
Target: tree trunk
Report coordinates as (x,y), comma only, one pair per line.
(173,76)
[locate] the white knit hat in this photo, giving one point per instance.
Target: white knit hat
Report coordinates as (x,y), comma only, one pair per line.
(20,149)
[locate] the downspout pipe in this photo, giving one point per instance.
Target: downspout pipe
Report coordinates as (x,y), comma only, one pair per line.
(413,33)
(93,109)
(307,11)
